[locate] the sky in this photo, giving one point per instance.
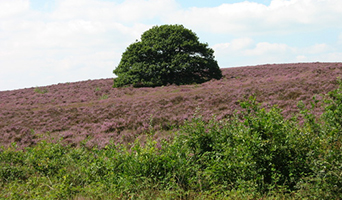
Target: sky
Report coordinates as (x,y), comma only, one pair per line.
(45,42)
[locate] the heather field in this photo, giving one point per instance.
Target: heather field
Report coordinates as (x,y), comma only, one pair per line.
(261,132)
(98,113)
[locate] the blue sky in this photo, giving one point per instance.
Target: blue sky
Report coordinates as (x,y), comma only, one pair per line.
(214,3)
(44,42)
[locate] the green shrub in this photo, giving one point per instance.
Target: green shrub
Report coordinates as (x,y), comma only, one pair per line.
(326,179)
(257,148)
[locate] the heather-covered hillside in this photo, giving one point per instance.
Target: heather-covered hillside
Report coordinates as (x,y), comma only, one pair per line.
(96,113)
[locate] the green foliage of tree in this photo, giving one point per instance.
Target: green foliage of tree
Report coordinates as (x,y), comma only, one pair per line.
(167,54)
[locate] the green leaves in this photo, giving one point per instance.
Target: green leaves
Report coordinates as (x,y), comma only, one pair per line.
(168,54)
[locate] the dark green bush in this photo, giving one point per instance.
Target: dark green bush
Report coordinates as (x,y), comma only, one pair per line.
(12,166)
(326,179)
(262,149)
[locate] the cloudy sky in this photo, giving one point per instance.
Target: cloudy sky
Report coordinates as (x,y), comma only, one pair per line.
(44,42)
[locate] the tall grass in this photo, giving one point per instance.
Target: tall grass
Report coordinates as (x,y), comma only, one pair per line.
(254,154)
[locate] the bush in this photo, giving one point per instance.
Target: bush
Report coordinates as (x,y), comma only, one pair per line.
(257,147)
(326,179)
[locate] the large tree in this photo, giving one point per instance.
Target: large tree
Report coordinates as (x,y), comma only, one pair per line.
(167,54)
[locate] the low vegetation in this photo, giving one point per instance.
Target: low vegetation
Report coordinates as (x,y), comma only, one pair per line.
(94,112)
(256,153)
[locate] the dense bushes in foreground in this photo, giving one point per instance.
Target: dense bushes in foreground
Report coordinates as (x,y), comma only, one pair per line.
(256,154)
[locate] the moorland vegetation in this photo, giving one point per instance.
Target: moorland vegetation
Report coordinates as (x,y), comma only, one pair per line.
(261,132)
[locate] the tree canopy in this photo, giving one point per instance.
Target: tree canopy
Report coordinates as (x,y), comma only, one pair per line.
(167,54)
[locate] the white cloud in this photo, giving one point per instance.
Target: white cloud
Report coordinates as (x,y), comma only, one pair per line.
(263,48)
(245,51)
(135,10)
(127,11)
(318,48)
(265,52)
(80,39)
(248,18)
(332,57)
(234,45)
(84,39)
(339,40)
(9,8)
(301,58)
(222,19)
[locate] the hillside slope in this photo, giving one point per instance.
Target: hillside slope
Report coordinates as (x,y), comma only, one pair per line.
(95,110)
